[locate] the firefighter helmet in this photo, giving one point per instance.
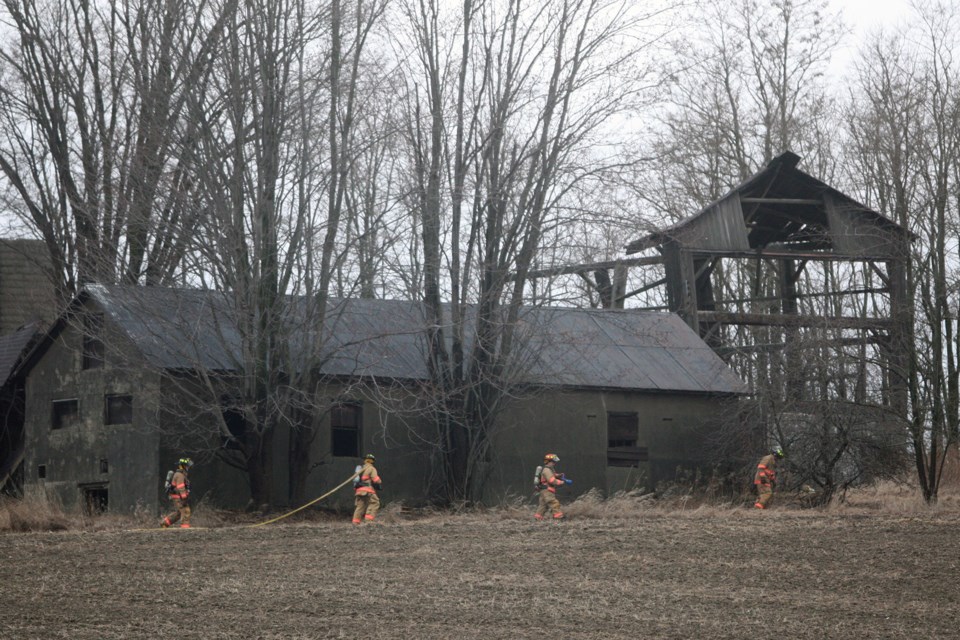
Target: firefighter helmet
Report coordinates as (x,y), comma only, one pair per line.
(551,457)
(778,452)
(370,456)
(186,463)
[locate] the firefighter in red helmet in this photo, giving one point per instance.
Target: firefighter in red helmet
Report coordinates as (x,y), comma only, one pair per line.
(547,480)
(178,488)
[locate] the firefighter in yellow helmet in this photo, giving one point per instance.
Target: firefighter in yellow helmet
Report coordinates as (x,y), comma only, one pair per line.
(547,480)
(765,479)
(178,488)
(366,485)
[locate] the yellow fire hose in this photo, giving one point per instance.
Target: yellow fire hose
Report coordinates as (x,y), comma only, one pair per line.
(314,501)
(289,513)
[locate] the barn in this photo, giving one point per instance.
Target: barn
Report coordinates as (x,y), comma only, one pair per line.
(27,305)
(627,399)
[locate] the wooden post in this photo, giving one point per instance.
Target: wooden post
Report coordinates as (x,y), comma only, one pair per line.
(681,283)
(787,279)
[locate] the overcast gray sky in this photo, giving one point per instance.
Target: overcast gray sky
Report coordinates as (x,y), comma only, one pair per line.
(863,16)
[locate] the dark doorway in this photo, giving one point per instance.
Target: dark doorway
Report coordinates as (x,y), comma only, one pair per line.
(95,499)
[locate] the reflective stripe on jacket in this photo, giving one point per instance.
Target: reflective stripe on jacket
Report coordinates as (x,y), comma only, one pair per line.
(179,486)
(549,480)
(766,475)
(368,478)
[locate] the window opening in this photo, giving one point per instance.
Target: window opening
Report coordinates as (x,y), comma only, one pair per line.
(118,409)
(66,413)
(42,471)
(104,466)
(236,426)
(345,420)
(623,431)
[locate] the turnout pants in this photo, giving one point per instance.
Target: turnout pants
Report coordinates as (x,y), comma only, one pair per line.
(764,495)
(366,507)
(182,514)
(548,500)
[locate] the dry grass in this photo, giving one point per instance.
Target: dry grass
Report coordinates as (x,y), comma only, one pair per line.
(885,498)
(31,515)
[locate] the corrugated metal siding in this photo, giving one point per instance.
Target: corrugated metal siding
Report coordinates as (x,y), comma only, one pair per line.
(718,228)
(855,232)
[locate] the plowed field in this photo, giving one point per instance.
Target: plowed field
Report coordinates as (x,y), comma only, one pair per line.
(735,574)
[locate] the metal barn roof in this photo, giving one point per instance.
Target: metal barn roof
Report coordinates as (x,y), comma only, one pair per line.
(630,350)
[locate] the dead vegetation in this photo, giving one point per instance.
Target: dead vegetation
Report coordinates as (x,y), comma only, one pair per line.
(890,498)
(624,568)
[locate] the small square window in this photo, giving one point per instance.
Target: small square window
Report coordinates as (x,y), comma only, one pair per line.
(622,429)
(104,466)
(42,471)
(623,432)
(93,347)
(345,420)
(118,410)
(66,413)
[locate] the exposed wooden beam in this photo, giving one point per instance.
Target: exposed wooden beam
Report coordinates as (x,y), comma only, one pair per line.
(646,287)
(590,266)
(794,320)
(778,255)
(815,294)
(779,346)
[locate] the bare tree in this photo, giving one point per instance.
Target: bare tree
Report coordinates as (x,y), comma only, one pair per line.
(93,131)
(906,138)
(275,144)
(500,123)
(751,87)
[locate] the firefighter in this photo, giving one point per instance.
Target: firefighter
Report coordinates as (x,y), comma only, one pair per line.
(548,480)
(766,477)
(366,486)
(179,492)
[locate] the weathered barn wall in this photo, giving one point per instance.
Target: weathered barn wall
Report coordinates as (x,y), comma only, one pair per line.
(89,456)
(570,423)
(573,424)
(398,443)
(186,428)
(391,431)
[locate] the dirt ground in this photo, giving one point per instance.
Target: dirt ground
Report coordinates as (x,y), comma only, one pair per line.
(664,574)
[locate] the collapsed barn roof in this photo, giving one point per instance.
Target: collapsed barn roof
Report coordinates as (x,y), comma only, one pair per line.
(646,351)
(782,207)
